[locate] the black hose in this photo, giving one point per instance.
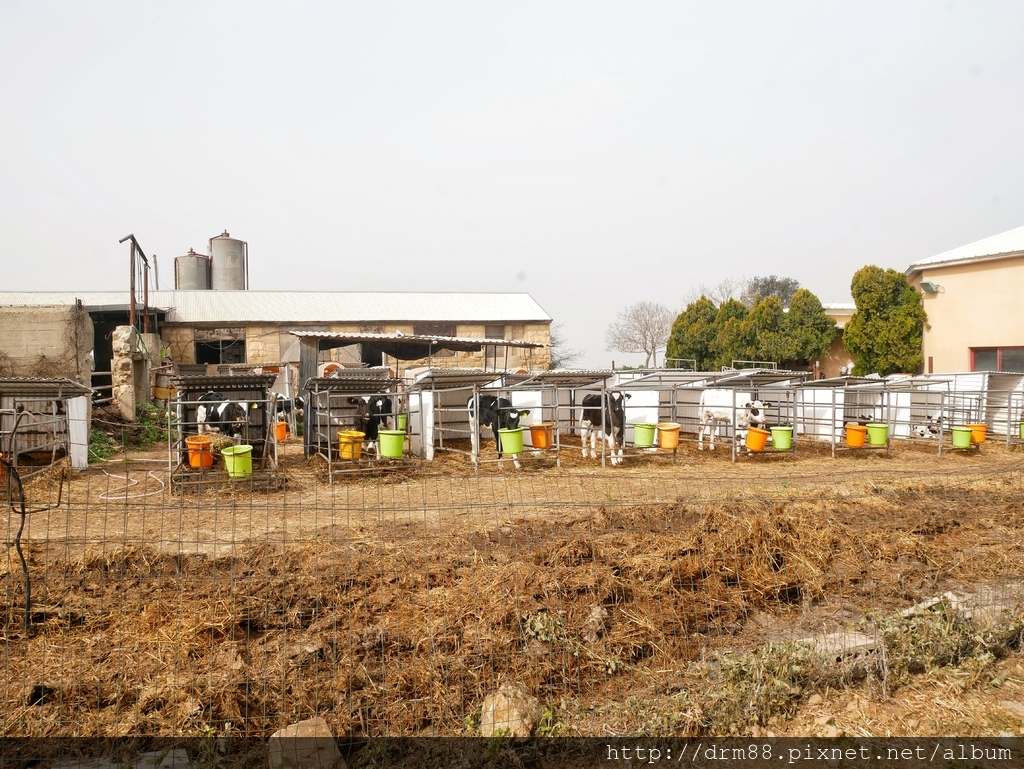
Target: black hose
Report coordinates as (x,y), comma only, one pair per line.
(13,479)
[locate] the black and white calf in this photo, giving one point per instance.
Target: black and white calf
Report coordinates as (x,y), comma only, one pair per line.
(498,414)
(373,412)
(611,425)
(929,428)
(718,406)
(215,413)
(285,407)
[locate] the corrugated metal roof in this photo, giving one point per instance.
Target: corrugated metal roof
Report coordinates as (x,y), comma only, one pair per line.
(1003,244)
(43,387)
(449,342)
(303,306)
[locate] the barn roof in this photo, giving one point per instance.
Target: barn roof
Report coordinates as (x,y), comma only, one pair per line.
(302,306)
(1005,244)
(42,387)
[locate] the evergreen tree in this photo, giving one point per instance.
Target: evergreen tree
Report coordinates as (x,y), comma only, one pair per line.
(693,334)
(733,340)
(886,329)
(812,330)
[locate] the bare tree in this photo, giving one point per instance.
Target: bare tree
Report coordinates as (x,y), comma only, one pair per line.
(641,327)
(562,356)
(728,288)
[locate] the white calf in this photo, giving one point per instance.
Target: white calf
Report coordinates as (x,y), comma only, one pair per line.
(716,407)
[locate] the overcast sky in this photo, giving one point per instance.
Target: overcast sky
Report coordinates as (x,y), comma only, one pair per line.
(592,154)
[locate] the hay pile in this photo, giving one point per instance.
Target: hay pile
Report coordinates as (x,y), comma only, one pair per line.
(403,633)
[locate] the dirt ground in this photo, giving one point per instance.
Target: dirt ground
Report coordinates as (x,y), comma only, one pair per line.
(394,599)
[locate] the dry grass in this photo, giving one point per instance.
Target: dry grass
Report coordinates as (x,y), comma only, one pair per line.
(393,603)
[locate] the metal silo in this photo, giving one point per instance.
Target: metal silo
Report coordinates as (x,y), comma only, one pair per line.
(229,268)
(192,272)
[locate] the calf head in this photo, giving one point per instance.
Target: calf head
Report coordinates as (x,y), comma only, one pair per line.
(755,412)
(510,416)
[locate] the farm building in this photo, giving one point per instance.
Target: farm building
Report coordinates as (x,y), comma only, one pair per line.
(972,295)
(234,327)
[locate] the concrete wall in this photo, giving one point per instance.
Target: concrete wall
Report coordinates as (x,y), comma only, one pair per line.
(46,342)
(978,305)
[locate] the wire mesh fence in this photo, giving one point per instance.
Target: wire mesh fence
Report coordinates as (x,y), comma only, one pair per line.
(650,598)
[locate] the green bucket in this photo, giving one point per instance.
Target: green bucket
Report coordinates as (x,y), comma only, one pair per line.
(238,460)
(1022,431)
(961,437)
(643,435)
(403,421)
(511,440)
(878,434)
(392,443)
(782,438)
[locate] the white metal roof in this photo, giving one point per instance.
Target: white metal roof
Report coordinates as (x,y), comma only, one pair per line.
(1003,244)
(303,306)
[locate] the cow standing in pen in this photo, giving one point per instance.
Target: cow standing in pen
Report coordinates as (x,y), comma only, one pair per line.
(498,414)
(611,425)
(373,413)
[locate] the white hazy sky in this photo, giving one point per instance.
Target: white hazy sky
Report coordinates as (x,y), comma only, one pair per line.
(593,154)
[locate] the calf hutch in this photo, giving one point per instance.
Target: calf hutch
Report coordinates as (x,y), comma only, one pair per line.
(400,348)
(355,418)
(43,421)
(223,429)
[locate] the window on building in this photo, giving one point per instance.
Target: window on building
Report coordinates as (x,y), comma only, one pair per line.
(997,359)
(494,332)
(221,351)
(439,329)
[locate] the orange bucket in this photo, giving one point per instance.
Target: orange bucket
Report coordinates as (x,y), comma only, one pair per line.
(281,430)
(200,452)
(757,438)
(541,435)
(978,433)
(668,435)
(856,435)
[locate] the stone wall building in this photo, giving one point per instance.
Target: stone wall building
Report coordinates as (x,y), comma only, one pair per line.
(221,328)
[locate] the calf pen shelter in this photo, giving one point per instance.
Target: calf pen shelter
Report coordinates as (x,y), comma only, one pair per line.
(253,455)
(393,350)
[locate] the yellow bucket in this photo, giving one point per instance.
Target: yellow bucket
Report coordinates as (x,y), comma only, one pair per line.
(350,444)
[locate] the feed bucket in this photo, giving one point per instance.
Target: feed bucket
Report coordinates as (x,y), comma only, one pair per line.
(350,444)
(541,435)
(961,437)
(782,438)
(511,440)
(1022,431)
(668,434)
(878,434)
(643,435)
(200,451)
(856,435)
(757,438)
(392,443)
(978,433)
(238,460)
(281,430)
(403,421)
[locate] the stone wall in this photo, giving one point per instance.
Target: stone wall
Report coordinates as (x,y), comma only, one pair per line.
(131,365)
